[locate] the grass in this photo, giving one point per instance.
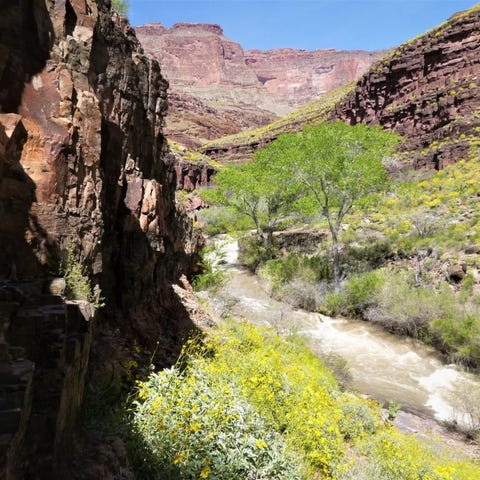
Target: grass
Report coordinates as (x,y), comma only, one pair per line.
(188,155)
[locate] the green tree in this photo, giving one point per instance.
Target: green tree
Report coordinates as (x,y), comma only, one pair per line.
(121,6)
(331,166)
(325,169)
(257,189)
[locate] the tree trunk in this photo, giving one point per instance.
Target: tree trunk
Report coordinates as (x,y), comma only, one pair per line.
(336,263)
(334,228)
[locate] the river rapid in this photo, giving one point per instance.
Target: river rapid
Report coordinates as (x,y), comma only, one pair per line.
(386,367)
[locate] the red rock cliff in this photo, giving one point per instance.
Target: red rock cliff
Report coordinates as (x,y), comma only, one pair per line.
(428,90)
(300,76)
(83,161)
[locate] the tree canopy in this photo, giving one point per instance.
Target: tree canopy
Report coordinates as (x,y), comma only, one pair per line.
(258,189)
(325,169)
(332,166)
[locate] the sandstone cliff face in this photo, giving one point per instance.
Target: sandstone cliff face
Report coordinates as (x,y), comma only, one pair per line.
(243,90)
(83,161)
(300,76)
(428,90)
(212,59)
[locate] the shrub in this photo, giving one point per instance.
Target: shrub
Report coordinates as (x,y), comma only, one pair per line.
(288,386)
(425,224)
(400,457)
(254,252)
(362,290)
(77,283)
(336,303)
(404,308)
(460,335)
(301,294)
(121,5)
(217,219)
(198,427)
(211,277)
(370,255)
(358,295)
(248,404)
(298,279)
(359,418)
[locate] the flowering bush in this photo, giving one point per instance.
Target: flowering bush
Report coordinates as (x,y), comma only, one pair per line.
(196,426)
(247,404)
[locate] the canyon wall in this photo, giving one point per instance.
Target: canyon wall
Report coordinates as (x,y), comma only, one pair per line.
(301,76)
(236,90)
(427,90)
(85,169)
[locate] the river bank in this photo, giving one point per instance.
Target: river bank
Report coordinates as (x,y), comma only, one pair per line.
(382,366)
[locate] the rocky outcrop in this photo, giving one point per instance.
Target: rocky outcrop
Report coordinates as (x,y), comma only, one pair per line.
(192,122)
(198,55)
(44,359)
(427,90)
(193,175)
(84,165)
(237,90)
(301,76)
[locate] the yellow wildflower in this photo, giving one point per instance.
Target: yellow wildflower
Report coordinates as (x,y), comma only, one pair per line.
(261,444)
(205,473)
(178,458)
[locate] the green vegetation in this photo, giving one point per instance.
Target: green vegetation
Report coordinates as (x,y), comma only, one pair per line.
(187,154)
(77,283)
(212,276)
(246,403)
(397,258)
(324,170)
(396,250)
(221,219)
(121,6)
(331,167)
(259,190)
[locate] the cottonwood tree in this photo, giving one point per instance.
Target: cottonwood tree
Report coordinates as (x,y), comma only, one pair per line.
(332,166)
(259,190)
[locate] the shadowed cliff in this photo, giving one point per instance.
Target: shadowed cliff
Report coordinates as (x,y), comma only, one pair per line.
(85,168)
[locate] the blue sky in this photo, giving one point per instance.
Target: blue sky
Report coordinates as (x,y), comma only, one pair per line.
(308,24)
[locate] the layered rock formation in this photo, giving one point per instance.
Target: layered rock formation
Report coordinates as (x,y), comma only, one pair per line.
(428,90)
(84,166)
(301,76)
(192,122)
(237,90)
